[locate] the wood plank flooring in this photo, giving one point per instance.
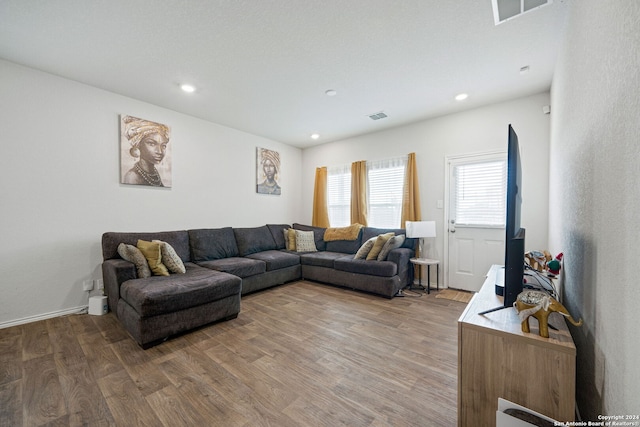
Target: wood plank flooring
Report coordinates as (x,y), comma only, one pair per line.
(301,354)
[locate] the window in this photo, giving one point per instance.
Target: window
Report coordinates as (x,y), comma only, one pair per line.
(339,195)
(480,193)
(385,182)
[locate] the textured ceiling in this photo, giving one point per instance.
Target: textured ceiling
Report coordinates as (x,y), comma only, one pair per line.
(263,66)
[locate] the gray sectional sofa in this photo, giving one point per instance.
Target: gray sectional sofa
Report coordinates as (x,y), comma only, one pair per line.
(224,263)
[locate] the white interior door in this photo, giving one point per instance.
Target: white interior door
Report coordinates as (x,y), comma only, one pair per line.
(475,218)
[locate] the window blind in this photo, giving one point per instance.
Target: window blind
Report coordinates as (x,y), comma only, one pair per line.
(339,195)
(480,193)
(385,184)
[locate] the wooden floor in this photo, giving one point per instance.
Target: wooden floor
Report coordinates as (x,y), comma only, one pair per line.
(302,354)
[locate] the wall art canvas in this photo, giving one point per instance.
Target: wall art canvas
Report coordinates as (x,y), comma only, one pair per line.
(268,171)
(145,152)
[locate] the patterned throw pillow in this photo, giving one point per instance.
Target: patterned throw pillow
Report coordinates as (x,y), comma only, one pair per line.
(170,258)
(393,243)
(365,248)
(377,246)
(305,241)
(152,253)
(132,254)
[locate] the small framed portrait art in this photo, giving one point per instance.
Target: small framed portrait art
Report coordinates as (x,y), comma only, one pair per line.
(145,152)
(268,172)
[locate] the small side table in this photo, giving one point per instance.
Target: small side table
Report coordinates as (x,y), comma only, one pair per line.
(428,262)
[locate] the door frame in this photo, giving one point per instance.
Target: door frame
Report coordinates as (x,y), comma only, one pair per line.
(449,162)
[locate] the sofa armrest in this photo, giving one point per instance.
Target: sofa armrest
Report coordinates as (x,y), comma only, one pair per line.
(114,273)
(401,257)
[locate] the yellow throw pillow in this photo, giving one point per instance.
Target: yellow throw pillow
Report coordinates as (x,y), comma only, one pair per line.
(153,254)
(291,239)
(377,246)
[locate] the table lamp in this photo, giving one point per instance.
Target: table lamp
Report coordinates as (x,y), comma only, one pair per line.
(421,230)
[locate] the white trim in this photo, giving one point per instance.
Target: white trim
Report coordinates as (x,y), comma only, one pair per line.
(30,319)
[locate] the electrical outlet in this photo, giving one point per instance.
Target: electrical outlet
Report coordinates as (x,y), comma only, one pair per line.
(87,285)
(98,284)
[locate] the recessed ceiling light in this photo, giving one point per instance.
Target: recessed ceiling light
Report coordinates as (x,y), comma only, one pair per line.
(315,136)
(188,88)
(461,97)
(331,92)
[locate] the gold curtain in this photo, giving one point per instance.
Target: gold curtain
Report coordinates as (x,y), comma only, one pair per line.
(359,192)
(320,211)
(411,199)
(410,193)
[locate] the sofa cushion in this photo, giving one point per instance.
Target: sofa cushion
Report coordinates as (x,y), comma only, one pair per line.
(320,259)
(179,240)
(132,254)
(275,260)
(361,266)
(345,246)
(365,249)
(305,241)
(378,245)
(318,234)
(241,267)
(276,233)
(289,236)
(393,243)
(170,258)
(153,254)
(161,295)
(212,243)
(252,240)
(369,232)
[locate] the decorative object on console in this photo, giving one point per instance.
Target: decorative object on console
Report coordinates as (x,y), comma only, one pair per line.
(537,260)
(267,172)
(555,265)
(145,153)
(421,230)
(539,305)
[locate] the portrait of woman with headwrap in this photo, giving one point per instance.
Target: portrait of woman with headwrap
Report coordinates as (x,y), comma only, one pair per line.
(268,172)
(144,143)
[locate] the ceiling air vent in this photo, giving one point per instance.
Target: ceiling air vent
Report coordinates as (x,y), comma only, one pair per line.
(504,10)
(377,116)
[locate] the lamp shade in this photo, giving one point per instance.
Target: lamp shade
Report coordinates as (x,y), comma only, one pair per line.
(421,229)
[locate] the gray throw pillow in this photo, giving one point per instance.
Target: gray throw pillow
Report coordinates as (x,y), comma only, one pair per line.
(365,248)
(132,254)
(170,258)
(393,243)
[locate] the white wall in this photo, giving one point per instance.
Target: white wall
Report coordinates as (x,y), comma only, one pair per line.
(59,186)
(473,131)
(595,200)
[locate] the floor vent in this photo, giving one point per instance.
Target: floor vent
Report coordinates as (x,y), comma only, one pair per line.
(377,116)
(504,10)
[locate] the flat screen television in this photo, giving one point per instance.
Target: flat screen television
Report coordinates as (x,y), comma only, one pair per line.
(514,234)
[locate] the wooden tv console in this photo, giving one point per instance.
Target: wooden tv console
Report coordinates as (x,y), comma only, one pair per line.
(496,359)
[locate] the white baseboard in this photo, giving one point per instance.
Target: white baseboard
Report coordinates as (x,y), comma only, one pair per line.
(74,310)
